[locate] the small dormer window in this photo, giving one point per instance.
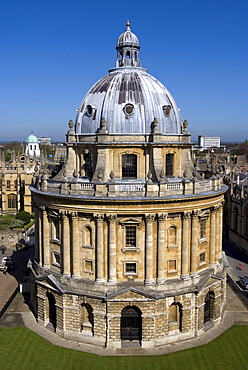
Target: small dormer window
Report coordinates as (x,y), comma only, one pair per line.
(128,109)
(89,110)
(166,110)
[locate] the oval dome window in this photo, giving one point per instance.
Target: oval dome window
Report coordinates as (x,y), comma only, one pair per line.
(128,109)
(89,110)
(166,110)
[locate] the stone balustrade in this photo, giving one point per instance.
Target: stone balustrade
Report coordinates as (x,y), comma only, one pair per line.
(129,188)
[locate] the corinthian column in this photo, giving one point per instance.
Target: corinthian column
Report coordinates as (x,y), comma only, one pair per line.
(149,280)
(46,244)
(66,255)
(112,249)
(99,249)
(194,244)
(212,237)
(75,247)
(221,228)
(185,246)
(37,242)
(161,248)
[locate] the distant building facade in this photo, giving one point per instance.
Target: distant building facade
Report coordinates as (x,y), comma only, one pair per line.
(236,209)
(16,176)
(206,142)
(45,140)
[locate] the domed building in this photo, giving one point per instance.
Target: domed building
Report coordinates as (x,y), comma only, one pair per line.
(32,146)
(128,235)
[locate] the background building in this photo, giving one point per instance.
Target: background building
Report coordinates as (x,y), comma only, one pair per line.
(16,176)
(128,234)
(206,142)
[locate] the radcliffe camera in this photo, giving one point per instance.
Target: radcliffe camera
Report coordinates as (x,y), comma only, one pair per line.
(128,237)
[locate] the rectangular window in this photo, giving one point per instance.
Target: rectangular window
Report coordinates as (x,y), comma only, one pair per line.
(202,228)
(56,258)
(131,268)
(129,166)
(172,265)
(88,265)
(131,236)
(169,164)
(202,257)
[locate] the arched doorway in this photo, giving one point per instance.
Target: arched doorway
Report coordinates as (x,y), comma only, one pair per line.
(52,310)
(131,324)
(208,307)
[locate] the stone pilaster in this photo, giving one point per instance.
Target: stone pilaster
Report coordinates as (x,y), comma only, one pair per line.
(185,245)
(112,250)
(194,243)
(46,243)
(66,253)
(217,234)
(161,248)
(99,249)
(75,247)
(149,280)
(37,245)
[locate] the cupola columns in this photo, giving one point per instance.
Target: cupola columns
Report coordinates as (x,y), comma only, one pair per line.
(128,49)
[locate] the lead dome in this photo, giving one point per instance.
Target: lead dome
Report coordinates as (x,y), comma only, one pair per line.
(128,97)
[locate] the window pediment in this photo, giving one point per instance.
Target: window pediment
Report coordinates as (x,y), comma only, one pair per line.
(130,221)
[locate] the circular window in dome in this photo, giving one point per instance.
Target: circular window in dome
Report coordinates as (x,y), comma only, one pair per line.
(166,110)
(89,110)
(128,109)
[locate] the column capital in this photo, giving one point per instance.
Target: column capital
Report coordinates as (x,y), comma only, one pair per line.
(149,217)
(63,214)
(186,215)
(99,216)
(216,208)
(73,214)
(42,208)
(112,218)
(162,217)
(195,213)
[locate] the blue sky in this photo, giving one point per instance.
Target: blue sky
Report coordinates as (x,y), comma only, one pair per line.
(53,51)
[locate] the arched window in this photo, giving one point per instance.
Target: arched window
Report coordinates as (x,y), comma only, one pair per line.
(8,184)
(52,310)
(172,236)
(135,55)
(175,317)
(129,166)
(128,55)
(86,319)
(55,229)
(209,307)
(87,236)
(12,201)
(169,163)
